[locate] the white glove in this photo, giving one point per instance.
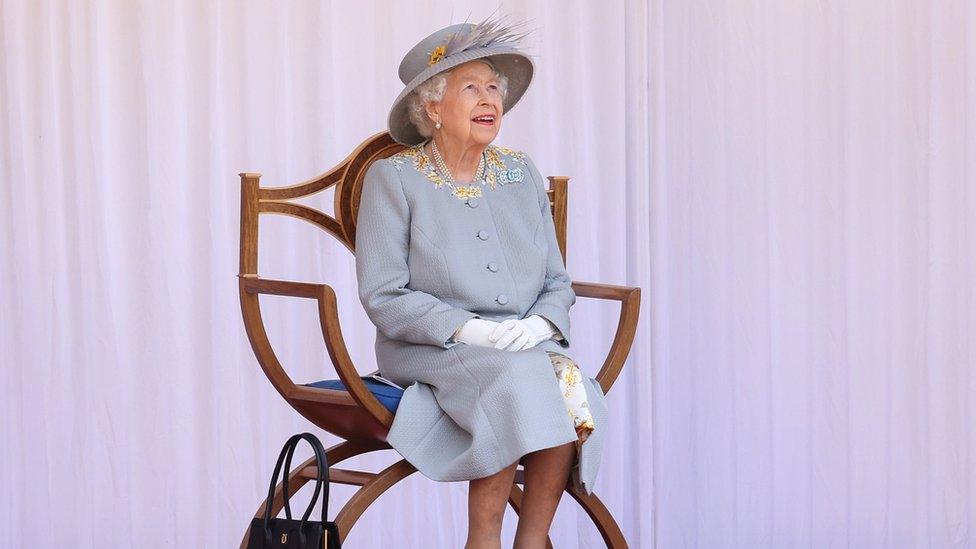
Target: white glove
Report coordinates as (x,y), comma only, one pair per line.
(476,331)
(517,334)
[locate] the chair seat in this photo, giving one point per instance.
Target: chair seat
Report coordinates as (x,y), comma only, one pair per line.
(388,396)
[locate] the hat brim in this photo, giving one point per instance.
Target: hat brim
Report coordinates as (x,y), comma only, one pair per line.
(515,65)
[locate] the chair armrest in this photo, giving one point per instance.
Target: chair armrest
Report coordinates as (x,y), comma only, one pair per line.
(251,287)
(623,339)
(289,288)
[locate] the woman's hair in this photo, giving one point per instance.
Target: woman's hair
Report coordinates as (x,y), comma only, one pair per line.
(432,90)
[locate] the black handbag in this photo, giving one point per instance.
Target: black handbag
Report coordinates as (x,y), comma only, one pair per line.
(287,533)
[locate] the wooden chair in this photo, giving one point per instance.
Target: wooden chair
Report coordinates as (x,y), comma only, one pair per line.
(355,414)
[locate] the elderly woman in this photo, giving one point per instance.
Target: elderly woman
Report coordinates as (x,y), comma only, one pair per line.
(459,270)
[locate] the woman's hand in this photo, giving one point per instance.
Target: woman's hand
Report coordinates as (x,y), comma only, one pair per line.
(518,334)
(476,331)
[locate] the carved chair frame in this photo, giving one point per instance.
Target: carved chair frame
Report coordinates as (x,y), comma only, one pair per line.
(356,415)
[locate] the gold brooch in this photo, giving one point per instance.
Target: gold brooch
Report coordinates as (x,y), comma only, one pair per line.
(465,192)
(436,55)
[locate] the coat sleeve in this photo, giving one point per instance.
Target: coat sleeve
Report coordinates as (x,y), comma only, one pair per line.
(382,245)
(557,295)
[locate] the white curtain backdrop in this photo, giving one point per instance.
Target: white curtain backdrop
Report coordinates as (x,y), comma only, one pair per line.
(793,185)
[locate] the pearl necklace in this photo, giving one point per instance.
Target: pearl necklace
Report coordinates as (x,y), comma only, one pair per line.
(479,174)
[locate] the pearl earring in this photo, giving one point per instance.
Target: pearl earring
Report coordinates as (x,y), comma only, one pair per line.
(437,125)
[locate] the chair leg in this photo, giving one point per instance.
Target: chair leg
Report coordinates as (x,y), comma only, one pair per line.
(335,454)
(385,479)
(601,517)
(365,496)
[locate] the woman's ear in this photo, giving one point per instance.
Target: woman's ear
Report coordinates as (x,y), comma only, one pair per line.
(432,112)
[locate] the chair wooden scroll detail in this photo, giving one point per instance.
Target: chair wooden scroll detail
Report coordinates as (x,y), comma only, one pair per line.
(355,414)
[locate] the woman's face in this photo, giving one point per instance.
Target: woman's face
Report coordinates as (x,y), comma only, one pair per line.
(471,110)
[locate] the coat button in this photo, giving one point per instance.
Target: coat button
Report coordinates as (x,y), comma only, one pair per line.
(473,202)
(502,299)
(483,235)
(493,267)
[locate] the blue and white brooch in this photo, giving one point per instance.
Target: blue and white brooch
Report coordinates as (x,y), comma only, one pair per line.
(513,175)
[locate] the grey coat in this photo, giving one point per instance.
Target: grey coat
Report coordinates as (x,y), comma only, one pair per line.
(427,260)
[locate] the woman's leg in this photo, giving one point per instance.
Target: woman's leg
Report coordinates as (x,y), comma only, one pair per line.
(547,471)
(487,498)
(546,475)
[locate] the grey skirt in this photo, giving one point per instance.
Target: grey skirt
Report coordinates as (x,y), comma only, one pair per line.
(474,415)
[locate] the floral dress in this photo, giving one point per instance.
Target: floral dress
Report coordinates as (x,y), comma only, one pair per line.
(571,384)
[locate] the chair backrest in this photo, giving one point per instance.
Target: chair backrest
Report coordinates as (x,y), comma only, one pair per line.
(347,178)
(354,414)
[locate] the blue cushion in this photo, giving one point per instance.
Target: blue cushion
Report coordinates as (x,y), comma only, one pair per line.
(388,396)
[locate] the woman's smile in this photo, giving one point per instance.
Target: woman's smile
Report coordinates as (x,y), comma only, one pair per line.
(484,120)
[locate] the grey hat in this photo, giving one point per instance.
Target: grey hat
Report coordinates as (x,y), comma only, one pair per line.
(453,46)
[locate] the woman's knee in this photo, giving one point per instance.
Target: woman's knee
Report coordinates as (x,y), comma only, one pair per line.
(553,451)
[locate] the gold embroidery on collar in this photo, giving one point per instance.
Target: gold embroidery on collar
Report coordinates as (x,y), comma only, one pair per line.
(496,172)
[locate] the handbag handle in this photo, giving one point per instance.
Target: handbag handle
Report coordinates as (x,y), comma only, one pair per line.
(322,477)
